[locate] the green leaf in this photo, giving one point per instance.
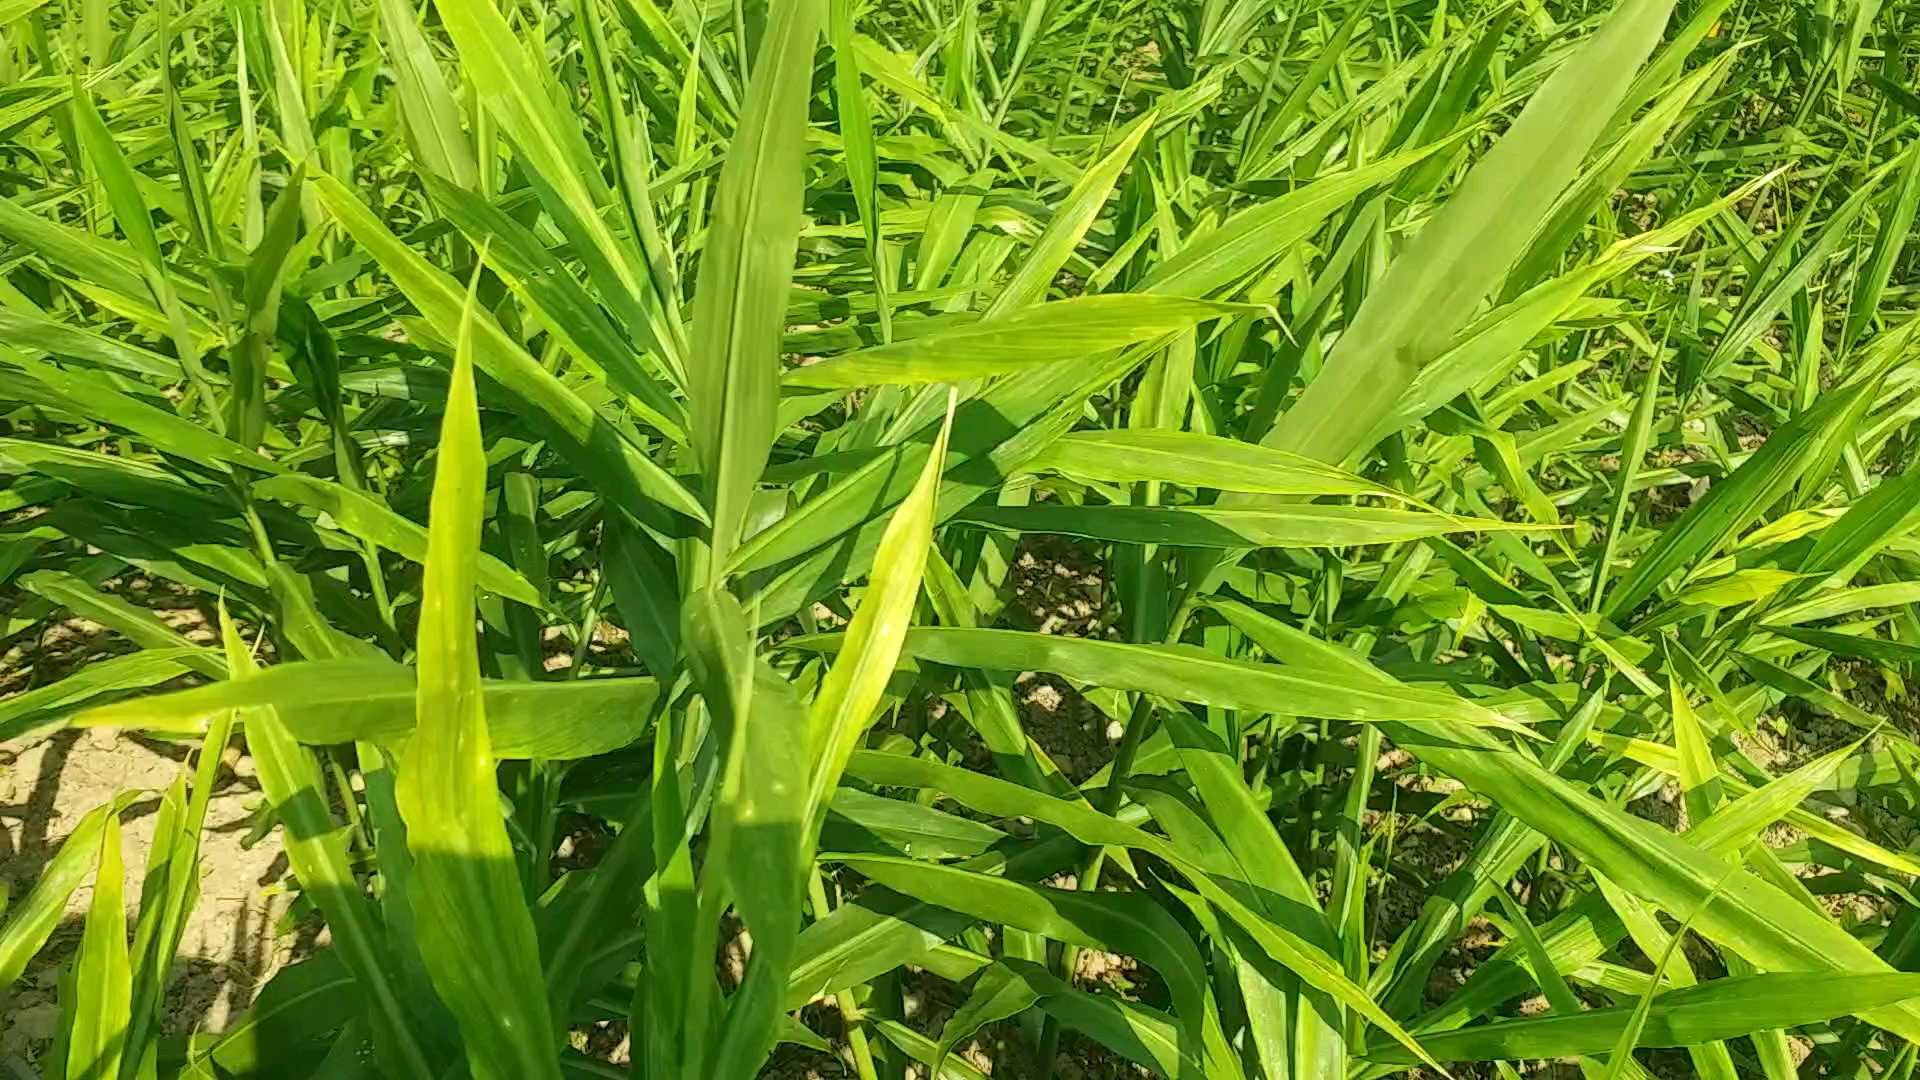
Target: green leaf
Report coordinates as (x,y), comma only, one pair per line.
(1460,254)
(92,397)
(317,851)
(324,702)
(266,269)
(756,844)
(1737,501)
(626,475)
(31,332)
(1070,222)
(1894,231)
(1633,452)
(427,105)
(1275,938)
(999,994)
(13,10)
(1732,590)
(1294,526)
(859,821)
(130,211)
(94,258)
(517,92)
(1191,459)
(843,707)
(739,306)
(27,716)
(1856,645)
(923,1050)
(464,886)
(879,930)
(1578,204)
(538,275)
(1189,673)
(1147,1037)
(1890,510)
(367,517)
(1100,920)
(33,920)
(856,137)
(1720,1009)
(1042,334)
(295,1016)
(1215,265)
(841,529)
(116,478)
(1764,305)
(1738,911)
(102,973)
(645,586)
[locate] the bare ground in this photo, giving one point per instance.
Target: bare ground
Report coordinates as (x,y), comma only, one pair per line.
(232,942)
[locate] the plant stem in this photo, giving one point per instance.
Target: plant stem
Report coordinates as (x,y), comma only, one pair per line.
(849,1009)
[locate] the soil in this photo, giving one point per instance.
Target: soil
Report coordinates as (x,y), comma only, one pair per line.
(1058,589)
(237,935)
(233,940)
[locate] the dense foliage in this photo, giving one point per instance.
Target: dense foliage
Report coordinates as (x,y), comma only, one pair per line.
(1479,437)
